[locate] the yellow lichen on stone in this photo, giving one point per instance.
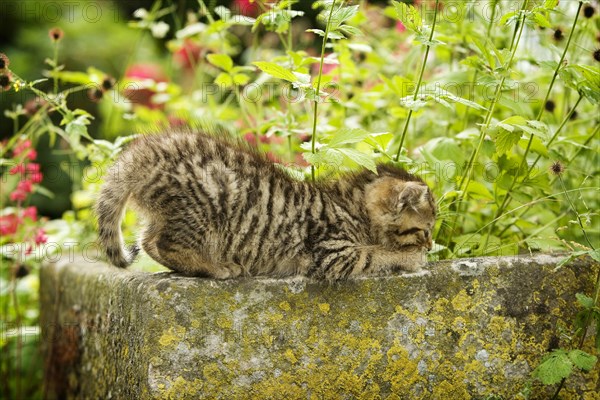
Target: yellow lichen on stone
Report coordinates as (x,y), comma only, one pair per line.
(400,371)
(289,355)
(285,306)
(180,388)
(462,301)
(224,322)
(173,335)
(324,308)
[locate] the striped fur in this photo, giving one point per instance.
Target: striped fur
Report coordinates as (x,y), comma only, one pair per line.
(219,209)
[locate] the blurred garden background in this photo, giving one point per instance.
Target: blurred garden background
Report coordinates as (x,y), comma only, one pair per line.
(493,103)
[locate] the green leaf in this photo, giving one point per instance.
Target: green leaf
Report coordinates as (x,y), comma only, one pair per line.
(324,157)
(240,79)
(360,158)
(276,70)
(541,20)
(508,16)
(224,79)
(409,16)
(347,136)
(343,14)
(479,189)
(506,140)
(461,100)
(317,32)
(555,367)
(222,61)
(380,141)
(80,78)
(585,301)
(582,360)
(550,4)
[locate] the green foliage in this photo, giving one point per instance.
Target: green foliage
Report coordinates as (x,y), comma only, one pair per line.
(559,364)
(481,118)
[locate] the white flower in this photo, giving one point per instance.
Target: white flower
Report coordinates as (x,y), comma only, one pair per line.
(140,13)
(159,29)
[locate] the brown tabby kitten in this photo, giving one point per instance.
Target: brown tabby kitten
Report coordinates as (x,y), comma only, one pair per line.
(220,209)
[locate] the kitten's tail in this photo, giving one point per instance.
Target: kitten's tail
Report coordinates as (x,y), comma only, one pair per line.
(110,209)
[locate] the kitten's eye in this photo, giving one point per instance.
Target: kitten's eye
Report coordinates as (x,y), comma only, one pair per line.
(404,232)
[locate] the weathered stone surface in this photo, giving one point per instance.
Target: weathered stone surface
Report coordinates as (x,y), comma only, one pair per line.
(465,329)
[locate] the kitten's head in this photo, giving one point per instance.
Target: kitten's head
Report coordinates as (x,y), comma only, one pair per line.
(402,212)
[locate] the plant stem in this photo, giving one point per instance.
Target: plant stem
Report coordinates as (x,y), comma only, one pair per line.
(597,284)
(506,202)
(416,95)
(462,186)
(576,213)
(18,323)
(55,68)
(508,195)
(560,127)
(318,89)
(491,24)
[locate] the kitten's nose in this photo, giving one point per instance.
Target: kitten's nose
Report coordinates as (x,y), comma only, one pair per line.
(429,244)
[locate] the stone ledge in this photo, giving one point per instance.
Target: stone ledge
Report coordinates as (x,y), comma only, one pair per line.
(458,330)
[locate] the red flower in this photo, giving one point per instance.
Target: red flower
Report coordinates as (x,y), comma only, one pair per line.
(136,92)
(55,34)
(188,54)
(17,169)
(249,8)
(250,138)
(32,155)
(8,224)
(40,237)
(18,195)
(175,121)
(30,212)
(327,66)
(25,186)
(21,147)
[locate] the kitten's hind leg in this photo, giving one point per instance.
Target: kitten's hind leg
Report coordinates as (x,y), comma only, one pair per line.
(169,249)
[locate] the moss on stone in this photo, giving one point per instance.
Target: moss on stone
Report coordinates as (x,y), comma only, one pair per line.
(450,332)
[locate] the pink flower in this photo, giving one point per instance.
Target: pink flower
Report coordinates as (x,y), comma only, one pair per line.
(40,237)
(24,145)
(18,195)
(249,8)
(175,121)
(25,186)
(143,95)
(33,167)
(8,224)
(30,212)
(17,169)
(32,155)
(33,170)
(250,138)
(400,27)
(188,54)
(327,67)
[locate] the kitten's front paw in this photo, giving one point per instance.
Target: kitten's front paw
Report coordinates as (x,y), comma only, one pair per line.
(414,259)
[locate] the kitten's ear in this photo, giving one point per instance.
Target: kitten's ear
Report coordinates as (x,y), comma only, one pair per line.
(412,194)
